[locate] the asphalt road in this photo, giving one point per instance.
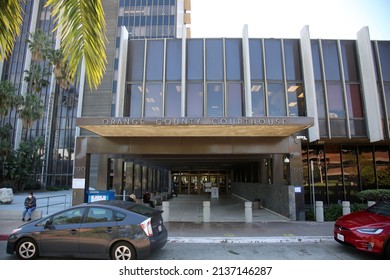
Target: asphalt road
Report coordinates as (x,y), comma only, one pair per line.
(234,251)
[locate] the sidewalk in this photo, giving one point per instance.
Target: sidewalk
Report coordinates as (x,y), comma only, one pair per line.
(227,224)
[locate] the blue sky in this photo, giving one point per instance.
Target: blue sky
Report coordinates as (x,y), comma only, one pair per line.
(329,19)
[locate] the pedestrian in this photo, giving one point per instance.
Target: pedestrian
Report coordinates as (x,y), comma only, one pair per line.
(30,203)
(146,199)
(132,198)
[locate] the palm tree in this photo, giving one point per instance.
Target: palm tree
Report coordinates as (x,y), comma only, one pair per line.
(39,44)
(8,98)
(31,110)
(82,28)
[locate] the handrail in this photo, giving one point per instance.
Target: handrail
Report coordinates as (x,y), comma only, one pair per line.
(54,204)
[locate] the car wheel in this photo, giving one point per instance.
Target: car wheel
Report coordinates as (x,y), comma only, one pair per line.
(27,249)
(123,251)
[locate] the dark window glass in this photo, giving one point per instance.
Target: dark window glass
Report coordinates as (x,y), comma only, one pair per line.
(292,60)
(316,60)
(173,100)
(350,177)
(194,59)
(382,164)
(215,100)
(276,100)
(331,60)
(173,60)
(99,215)
(348,50)
(214,60)
(367,171)
(354,101)
(154,60)
(153,100)
(384,57)
(334,172)
(194,100)
(258,104)
(134,106)
(256,59)
(273,59)
(234,100)
(72,216)
(335,101)
(135,61)
(321,105)
(296,100)
(387,98)
(234,60)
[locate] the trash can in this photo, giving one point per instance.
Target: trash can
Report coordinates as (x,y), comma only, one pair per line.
(97,195)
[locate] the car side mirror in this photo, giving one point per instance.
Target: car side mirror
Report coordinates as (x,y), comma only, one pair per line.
(48,224)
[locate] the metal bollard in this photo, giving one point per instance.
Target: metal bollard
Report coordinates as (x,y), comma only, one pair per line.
(319,211)
(206,211)
(346,207)
(248,212)
(165,208)
(370,203)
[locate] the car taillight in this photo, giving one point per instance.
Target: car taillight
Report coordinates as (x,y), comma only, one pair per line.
(147,227)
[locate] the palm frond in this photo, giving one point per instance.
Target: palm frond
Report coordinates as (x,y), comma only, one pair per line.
(11,17)
(82,27)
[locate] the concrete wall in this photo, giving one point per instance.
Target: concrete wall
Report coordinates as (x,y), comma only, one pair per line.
(278,198)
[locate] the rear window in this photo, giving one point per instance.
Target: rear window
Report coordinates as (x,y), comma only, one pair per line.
(382,208)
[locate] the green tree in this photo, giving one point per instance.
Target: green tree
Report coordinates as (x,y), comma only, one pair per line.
(31,110)
(8,98)
(82,28)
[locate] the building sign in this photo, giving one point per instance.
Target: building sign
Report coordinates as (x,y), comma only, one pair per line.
(195,121)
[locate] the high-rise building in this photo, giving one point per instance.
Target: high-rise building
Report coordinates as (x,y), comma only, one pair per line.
(288,121)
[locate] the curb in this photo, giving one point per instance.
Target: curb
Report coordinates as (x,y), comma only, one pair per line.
(270,239)
(4,237)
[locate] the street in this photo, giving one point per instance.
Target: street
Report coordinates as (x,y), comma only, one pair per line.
(256,251)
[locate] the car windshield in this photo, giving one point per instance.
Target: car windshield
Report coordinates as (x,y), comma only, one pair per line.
(382,208)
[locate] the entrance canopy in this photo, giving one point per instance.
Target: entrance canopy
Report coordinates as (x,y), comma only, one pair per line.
(196,126)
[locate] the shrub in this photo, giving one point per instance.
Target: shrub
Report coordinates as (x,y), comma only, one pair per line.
(374,195)
(333,212)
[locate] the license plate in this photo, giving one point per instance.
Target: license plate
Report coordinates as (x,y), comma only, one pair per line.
(340,237)
(159,228)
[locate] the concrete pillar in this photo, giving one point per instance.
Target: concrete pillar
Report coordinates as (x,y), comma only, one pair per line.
(346,207)
(248,212)
(370,203)
(165,208)
(206,211)
(319,211)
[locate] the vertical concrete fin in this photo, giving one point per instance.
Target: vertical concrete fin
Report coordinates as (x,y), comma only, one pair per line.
(308,78)
(247,71)
(121,87)
(370,88)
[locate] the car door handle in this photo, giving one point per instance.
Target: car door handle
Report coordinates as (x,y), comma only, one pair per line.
(73,231)
(109,229)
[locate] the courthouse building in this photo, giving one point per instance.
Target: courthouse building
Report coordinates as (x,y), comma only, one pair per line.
(287,121)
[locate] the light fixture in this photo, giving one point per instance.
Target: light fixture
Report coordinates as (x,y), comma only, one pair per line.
(286,160)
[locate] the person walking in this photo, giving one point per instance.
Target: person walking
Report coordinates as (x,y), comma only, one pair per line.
(30,203)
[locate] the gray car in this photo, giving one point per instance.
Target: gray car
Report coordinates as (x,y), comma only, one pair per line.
(108,229)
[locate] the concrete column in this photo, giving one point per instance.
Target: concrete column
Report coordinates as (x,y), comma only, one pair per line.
(165,208)
(346,207)
(248,212)
(206,211)
(319,211)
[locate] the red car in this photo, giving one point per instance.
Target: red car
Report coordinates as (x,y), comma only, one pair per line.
(367,230)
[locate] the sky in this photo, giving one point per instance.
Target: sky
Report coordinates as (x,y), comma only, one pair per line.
(327,19)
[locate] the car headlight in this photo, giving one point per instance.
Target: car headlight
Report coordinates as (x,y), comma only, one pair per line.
(370,230)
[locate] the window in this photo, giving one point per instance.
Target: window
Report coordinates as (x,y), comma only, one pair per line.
(273,59)
(257,94)
(194,100)
(276,100)
(99,215)
(173,100)
(153,100)
(214,60)
(72,216)
(215,100)
(234,100)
